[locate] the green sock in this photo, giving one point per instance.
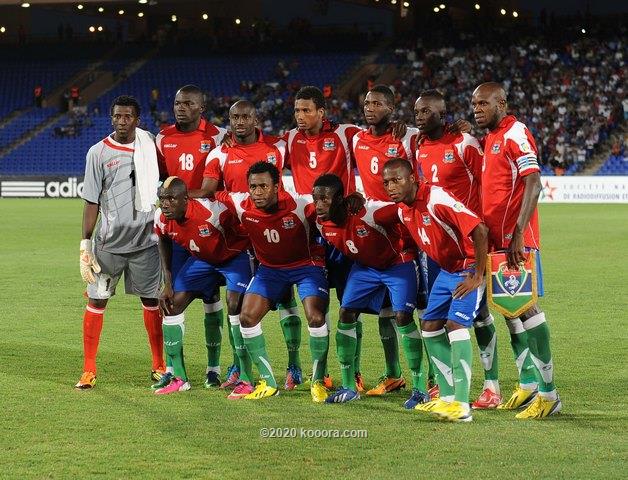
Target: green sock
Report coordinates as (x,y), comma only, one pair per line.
(461,359)
(486,337)
(346,340)
(358,344)
(540,352)
(319,346)
(256,346)
(214,320)
(521,351)
(413,350)
(291,327)
(431,374)
(439,351)
(244,359)
(388,336)
(174,329)
(235,360)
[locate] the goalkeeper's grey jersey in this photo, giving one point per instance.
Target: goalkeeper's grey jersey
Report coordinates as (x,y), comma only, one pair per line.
(110,182)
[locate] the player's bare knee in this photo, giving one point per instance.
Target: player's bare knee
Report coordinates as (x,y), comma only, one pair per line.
(316,318)
(233,304)
(248,319)
(149,302)
(432,325)
(97,302)
(531,312)
(347,316)
(403,318)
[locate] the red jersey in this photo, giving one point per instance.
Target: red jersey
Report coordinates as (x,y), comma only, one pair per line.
(283,238)
(328,152)
(371,154)
(440,225)
(453,162)
(230,164)
(183,153)
(372,237)
(209,231)
(510,154)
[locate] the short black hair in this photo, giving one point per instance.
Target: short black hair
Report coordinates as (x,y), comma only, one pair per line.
(386,91)
(264,167)
(399,162)
(432,93)
(126,101)
(311,93)
(174,184)
(331,181)
(191,89)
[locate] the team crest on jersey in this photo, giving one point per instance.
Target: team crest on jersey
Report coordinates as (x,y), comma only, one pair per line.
(329,144)
(426,219)
(205,146)
(392,151)
(204,231)
(449,156)
(495,147)
(288,222)
(271,158)
(361,231)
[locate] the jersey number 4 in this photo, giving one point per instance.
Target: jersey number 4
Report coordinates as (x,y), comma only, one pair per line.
(187,161)
(423,236)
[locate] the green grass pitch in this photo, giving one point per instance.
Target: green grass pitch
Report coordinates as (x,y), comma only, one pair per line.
(121,430)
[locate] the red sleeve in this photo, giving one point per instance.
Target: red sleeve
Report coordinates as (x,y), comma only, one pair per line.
(212,169)
(521,150)
(474,159)
(459,216)
(387,215)
(224,197)
(286,157)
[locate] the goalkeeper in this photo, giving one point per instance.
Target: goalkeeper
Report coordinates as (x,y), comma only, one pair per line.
(118,185)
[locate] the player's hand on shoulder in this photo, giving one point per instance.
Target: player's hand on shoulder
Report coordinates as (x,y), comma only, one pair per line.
(459,126)
(87,260)
(399,129)
(355,201)
(227,140)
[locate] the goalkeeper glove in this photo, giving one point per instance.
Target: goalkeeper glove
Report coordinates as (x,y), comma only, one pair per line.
(89,265)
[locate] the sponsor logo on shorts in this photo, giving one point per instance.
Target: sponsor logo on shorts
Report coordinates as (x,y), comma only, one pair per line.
(329,144)
(495,147)
(205,147)
(204,231)
(288,222)
(462,315)
(240,284)
(410,305)
(392,151)
(449,156)
(321,289)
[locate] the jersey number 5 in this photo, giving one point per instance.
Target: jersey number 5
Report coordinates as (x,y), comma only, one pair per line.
(187,161)
(313,162)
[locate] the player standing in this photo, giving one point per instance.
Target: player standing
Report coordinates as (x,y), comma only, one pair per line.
(212,235)
(228,165)
(120,186)
(182,150)
(371,149)
(454,161)
(511,185)
(281,228)
(372,238)
(456,239)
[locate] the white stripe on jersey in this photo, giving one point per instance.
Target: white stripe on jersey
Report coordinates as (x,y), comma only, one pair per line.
(406,142)
(219,136)
(341,131)
(438,196)
(216,208)
(158,140)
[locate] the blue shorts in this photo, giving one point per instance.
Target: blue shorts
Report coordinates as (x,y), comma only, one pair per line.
(367,287)
(442,306)
(275,283)
(338,267)
(179,256)
(198,276)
